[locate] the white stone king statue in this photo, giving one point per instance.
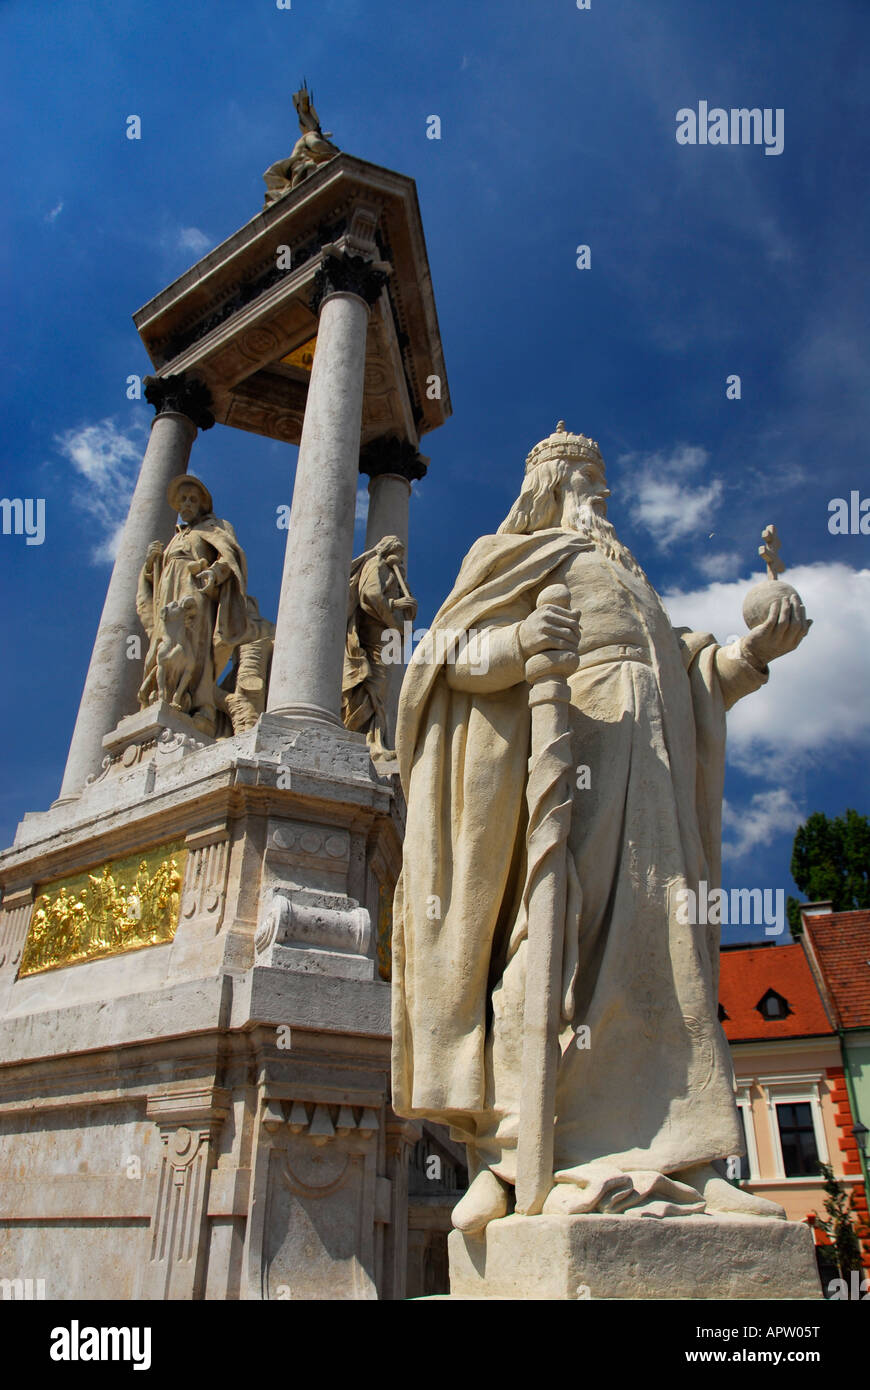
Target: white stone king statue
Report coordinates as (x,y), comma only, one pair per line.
(534,903)
(192,603)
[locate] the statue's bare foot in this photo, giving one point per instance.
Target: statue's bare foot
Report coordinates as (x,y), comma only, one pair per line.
(486,1200)
(723,1197)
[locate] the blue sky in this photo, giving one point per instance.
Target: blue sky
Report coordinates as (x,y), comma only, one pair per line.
(558,129)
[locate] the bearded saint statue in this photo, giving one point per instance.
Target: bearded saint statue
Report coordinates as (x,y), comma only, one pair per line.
(199,580)
(646,1110)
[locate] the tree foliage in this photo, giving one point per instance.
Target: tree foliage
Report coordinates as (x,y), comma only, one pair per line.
(831,862)
(841,1223)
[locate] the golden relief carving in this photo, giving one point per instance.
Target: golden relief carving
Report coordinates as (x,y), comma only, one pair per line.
(125,905)
(302,356)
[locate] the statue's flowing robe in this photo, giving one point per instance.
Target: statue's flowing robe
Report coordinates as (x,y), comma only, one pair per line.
(369,616)
(221,623)
(654,1087)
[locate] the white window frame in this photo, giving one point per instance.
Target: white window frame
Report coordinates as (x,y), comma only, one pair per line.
(794,1090)
(743,1101)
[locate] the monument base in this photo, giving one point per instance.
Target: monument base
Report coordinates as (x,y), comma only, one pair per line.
(622,1257)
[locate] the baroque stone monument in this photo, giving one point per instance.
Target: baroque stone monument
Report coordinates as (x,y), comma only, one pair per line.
(549,1005)
(194,938)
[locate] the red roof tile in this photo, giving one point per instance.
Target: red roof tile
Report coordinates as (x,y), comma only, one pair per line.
(748,973)
(840,942)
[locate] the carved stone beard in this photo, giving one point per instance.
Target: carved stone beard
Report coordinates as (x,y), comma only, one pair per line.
(581,517)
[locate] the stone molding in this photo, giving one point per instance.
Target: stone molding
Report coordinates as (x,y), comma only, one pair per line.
(188,1119)
(14,922)
(316,1172)
(205,885)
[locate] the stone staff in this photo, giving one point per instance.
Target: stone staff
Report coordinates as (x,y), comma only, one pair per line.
(405,591)
(549,795)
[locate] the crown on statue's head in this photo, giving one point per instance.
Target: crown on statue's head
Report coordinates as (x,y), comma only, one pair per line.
(571,448)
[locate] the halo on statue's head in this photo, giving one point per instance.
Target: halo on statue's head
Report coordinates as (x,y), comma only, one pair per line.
(562,445)
(175,486)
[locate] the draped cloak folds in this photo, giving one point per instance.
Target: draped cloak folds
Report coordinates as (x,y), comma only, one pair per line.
(654,1089)
(369,615)
(222,622)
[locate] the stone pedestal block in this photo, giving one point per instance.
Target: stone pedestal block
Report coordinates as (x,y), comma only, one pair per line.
(147,725)
(614,1257)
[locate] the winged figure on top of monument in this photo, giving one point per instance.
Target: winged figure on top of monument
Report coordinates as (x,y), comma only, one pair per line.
(311,149)
(192,603)
(554,997)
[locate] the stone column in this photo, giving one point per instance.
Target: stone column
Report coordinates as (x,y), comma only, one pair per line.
(312,612)
(392,465)
(113,678)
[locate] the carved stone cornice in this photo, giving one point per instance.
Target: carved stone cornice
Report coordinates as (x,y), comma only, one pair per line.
(389,454)
(183,394)
(340,273)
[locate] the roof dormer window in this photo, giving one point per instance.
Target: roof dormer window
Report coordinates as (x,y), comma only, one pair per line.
(773,1006)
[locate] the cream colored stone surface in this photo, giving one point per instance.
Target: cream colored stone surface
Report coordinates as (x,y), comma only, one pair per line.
(215,1108)
(389,496)
(544,982)
(611,1257)
(379,604)
(312,612)
(192,603)
(389,499)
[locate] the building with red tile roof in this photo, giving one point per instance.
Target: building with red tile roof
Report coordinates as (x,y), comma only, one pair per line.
(750,974)
(837,946)
(792,1092)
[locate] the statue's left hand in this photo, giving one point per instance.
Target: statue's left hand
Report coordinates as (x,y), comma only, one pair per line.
(209,580)
(206,581)
(785,628)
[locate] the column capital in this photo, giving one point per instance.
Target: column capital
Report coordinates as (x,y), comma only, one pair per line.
(341,273)
(389,454)
(182,394)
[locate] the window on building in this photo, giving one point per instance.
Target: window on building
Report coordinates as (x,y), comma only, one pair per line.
(797,1137)
(773,1005)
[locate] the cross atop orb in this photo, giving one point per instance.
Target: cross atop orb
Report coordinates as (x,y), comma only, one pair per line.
(769,552)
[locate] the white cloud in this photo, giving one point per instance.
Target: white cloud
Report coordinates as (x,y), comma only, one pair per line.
(105,462)
(767,815)
(192,239)
(55,212)
(662,500)
(361,511)
(105,552)
(721,565)
(816,704)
